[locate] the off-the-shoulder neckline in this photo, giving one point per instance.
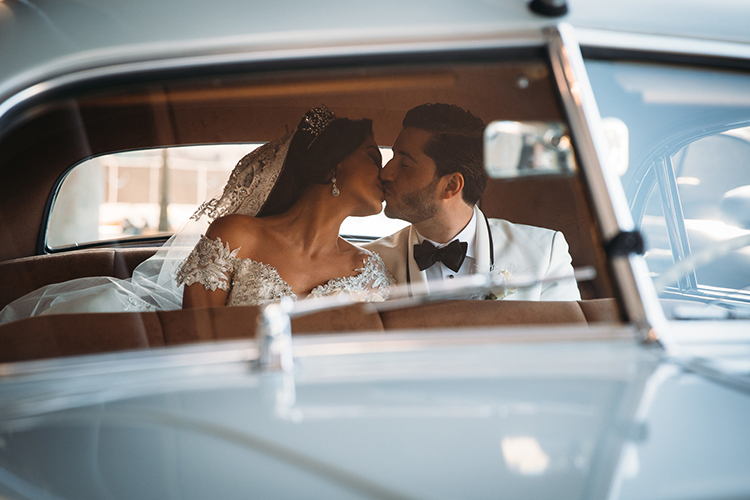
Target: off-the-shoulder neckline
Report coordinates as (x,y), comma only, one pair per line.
(370,260)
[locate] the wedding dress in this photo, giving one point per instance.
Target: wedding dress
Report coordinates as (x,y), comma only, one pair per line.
(212,262)
(189,257)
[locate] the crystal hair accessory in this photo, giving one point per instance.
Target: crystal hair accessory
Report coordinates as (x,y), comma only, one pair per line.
(317,119)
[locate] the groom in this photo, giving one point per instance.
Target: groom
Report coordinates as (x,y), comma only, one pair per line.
(434,181)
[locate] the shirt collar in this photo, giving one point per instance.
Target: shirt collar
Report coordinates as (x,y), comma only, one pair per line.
(467,234)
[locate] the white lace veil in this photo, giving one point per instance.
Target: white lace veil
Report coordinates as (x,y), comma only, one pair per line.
(153,285)
(246,191)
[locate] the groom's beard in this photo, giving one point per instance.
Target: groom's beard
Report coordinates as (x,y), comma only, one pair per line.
(415,207)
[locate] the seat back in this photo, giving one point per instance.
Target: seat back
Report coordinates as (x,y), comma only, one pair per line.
(473,313)
(76,334)
(555,203)
(24,275)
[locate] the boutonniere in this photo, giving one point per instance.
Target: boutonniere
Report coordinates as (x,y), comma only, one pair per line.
(503,291)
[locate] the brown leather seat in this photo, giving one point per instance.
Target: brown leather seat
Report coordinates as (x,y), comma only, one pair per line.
(224,323)
(600,310)
(74,334)
(24,275)
(557,203)
(472,313)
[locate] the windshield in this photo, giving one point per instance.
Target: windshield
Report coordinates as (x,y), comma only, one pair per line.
(680,140)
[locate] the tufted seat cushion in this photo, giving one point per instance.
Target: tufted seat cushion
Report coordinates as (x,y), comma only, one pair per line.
(472,313)
(24,275)
(73,334)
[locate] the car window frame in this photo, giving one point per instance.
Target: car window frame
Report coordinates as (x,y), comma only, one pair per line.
(559,45)
(638,47)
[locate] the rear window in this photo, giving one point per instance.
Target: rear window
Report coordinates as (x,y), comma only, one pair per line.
(150,193)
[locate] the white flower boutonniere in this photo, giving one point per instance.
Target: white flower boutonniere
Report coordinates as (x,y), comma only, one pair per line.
(502,291)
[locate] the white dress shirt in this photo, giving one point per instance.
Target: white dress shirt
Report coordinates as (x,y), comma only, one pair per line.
(440,271)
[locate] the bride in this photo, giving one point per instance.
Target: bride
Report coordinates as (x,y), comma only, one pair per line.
(272,233)
(292,246)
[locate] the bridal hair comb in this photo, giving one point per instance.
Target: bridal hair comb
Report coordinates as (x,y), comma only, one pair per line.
(317,119)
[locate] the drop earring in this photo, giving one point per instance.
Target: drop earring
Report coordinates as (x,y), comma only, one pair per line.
(334,190)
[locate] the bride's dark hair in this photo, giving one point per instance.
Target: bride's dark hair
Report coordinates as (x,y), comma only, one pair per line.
(311,159)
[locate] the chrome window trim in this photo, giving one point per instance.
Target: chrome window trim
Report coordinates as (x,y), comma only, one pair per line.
(659,44)
(53,76)
(682,50)
(638,294)
(674,218)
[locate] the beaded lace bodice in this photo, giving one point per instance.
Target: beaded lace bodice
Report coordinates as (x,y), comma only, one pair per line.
(215,266)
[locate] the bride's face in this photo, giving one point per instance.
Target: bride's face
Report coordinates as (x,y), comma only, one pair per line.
(358,178)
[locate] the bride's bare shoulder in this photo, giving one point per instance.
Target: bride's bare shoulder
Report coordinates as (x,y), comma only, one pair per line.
(237,230)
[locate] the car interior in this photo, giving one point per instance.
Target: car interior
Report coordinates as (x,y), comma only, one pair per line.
(59,130)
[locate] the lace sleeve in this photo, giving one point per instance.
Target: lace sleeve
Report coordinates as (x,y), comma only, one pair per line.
(371,284)
(210,263)
(380,277)
(375,281)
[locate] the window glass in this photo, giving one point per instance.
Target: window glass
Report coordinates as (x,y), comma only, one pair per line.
(151,192)
(131,170)
(138,193)
(239,107)
(680,141)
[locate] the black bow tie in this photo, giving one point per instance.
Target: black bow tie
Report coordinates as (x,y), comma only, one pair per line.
(452,255)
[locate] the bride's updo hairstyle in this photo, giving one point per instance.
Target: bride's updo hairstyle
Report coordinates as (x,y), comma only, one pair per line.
(320,143)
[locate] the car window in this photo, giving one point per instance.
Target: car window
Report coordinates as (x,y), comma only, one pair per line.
(686,175)
(116,138)
(138,193)
(150,193)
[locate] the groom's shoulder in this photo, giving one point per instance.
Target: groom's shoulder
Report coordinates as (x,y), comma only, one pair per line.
(512,229)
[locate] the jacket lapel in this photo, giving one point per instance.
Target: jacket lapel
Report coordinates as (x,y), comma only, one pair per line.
(483,244)
(418,278)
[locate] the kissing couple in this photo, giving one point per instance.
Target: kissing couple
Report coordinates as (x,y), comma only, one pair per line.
(274,231)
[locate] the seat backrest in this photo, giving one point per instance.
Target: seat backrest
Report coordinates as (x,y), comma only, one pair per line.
(472,313)
(224,323)
(601,310)
(557,203)
(77,334)
(24,275)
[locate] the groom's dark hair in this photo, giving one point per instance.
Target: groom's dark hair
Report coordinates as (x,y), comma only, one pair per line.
(455,146)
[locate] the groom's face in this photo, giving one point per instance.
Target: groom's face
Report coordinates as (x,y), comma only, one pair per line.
(409,179)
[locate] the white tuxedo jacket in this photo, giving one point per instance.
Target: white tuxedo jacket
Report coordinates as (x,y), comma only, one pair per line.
(519,250)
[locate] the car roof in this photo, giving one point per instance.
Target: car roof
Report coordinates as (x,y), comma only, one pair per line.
(47,38)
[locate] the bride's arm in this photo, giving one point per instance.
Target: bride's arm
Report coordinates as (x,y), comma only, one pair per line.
(198,296)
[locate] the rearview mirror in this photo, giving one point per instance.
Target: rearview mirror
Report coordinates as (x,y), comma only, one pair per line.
(519,149)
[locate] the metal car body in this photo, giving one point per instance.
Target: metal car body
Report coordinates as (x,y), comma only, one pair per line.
(651,405)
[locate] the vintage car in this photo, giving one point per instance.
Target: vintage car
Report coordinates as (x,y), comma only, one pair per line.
(624,125)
